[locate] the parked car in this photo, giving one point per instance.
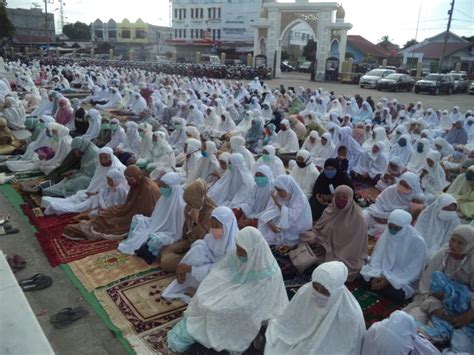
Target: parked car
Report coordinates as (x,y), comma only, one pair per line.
(370,79)
(396,82)
(304,67)
(435,84)
(471,88)
(461,82)
(285,66)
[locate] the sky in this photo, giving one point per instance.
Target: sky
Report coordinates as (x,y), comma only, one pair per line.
(371,19)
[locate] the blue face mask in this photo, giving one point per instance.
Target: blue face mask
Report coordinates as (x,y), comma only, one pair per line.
(330,174)
(419,148)
(266,158)
(261,181)
(243,259)
(205,154)
(392,231)
(230,167)
(165,191)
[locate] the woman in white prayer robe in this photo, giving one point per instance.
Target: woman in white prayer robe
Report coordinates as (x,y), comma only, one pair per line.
(118,134)
(178,136)
(95,119)
(114,100)
(162,155)
(236,186)
(106,162)
(433,177)
(261,197)
(398,196)
(418,157)
(402,149)
(193,154)
(311,141)
(206,164)
(354,150)
(244,126)
(195,117)
(443,147)
(210,120)
(322,318)
(323,151)
(269,159)
(396,335)
(398,259)
(204,255)
(288,216)
(378,135)
(304,172)
(286,141)
(241,292)
(237,145)
(225,125)
(14,113)
(373,163)
(165,225)
(437,222)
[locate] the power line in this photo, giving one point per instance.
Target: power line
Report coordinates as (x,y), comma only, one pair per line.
(465,14)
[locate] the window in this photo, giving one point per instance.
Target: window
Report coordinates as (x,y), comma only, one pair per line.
(175,33)
(99,34)
(175,13)
(219,12)
(192,13)
(213,12)
(192,34)
(209,12)
(184,13)
(126,34)
(184,31)
(213,35)
(180,33)
(112,34)
(201,33)
(202,13)
(140,33)
(219,34)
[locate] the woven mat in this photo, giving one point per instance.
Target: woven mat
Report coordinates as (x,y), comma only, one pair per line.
(134,305)
(102,269)
(153,341)
(40,221)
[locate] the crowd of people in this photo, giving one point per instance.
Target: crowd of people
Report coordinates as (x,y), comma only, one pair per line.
(211,177)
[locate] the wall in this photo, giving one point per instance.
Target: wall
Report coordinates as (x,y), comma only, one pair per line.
(30,25)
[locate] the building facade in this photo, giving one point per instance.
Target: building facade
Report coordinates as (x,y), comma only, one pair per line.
(32,27)
(213,26)
(126,35)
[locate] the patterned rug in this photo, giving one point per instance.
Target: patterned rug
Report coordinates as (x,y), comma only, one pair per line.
(102,269)
(60,250)
(153,341)
(134,305)
(42,222)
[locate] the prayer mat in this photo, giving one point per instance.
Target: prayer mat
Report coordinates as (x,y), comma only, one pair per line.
(42,222)
(102,269)
(134,305)
(153,341)
(60,250)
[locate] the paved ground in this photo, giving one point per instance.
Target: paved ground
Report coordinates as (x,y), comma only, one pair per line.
(464,101)
(88,335)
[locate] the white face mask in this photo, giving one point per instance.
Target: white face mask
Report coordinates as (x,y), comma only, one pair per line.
(320,299)
(446,215)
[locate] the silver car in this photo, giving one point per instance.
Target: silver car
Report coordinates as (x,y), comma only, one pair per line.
(370,79)
(461,82)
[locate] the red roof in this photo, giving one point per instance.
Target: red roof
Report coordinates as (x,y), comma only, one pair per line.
(27,39)
(434,50)
(367,47)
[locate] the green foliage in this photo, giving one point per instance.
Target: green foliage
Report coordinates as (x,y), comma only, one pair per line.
(78,31)
(410,43)
(309,50)
(285,56)
(7,30)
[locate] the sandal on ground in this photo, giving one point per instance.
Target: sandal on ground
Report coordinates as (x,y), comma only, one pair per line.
(36,283)
(67,316)
(16,262)
(6,229)
(4,219)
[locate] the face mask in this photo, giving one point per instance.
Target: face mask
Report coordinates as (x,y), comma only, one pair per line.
(403,190)
(113,126)
(446,215)
(105,126)
(230,167)
(55,138)
(177,126)
(392,231)
(320,299)
(266,158)
(205,154)
(419,148)
(217,233)
(301,164)
(165,191)
(142,134)
(261,181)
(243,259)
(41,125)
(330,174)
(340,203)
(402,142)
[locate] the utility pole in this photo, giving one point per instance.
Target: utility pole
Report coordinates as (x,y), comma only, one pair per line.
(46,25)
(446,36)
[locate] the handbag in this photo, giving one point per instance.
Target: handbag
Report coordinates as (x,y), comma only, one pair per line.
(303,257)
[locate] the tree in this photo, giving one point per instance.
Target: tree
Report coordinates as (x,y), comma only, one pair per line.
(7,30)
(410,43)
(470,38)
(309,50)
(285,56)
(78,31)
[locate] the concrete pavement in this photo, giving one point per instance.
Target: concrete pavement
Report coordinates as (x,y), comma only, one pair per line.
(89,335)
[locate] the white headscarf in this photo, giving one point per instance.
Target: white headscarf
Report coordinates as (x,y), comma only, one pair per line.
(287,141)
(261,196)
(320,153)
(226,125)
(40,141)
(305,177)
(436,225)
(307,327)
(372,163)
(244,126)
(399,258)
(308,145)
(195,116)
(132,145)
(403,153)
(193,154)
(236,186)
(378,135)
(237,296)
(396,335)
(435,181)
(99,180)
(418,160)
(271,161)
(61,148)
(237,144)
(113,196)
(95,120)
(118,136)
(211,120)
(206,165)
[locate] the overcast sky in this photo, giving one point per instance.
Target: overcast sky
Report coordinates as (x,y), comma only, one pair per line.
(371,19)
